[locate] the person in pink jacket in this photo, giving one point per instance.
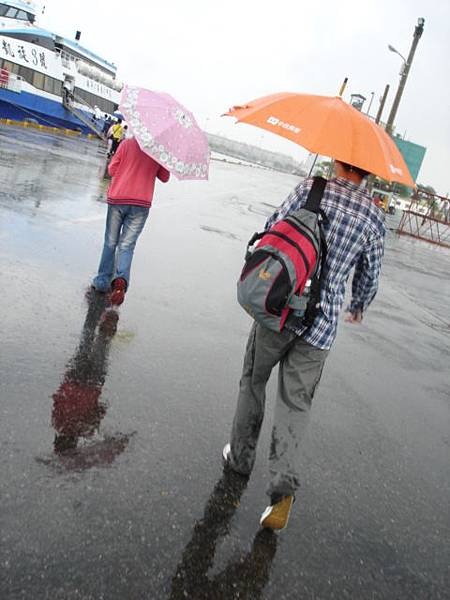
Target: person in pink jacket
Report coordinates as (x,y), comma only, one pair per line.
(130,196)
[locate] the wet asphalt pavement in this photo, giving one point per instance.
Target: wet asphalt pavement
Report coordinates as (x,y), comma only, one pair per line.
(112,423)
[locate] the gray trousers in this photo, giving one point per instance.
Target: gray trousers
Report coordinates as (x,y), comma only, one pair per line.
(300,369)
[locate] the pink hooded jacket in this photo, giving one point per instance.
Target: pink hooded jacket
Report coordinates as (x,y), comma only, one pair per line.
(133,174)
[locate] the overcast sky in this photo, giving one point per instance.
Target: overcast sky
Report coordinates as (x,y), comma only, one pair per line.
(211,55)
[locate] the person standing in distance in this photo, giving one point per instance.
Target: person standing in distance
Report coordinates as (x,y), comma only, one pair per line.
(116,137)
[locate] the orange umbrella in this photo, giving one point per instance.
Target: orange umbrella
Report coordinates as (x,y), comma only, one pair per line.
(329,126)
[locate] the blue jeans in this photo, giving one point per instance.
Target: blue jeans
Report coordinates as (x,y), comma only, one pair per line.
(124,223)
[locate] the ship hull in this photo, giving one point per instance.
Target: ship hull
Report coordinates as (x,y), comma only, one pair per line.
(28,106)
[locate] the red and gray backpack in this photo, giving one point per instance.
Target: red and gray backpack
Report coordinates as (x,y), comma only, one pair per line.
(281,275)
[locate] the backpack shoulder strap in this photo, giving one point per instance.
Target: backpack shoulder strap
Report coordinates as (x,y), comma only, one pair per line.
(315,194)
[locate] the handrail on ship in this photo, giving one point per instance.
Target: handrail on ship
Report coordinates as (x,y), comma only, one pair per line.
(78,114)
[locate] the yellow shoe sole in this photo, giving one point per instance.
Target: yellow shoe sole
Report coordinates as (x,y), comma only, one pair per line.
(277,515)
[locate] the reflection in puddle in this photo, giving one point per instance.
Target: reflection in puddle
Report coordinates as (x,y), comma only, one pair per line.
(77,408)
(244,576)
(101,452)
(40,169)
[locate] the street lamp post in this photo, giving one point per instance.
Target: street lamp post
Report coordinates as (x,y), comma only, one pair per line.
(392,49)
(404,72)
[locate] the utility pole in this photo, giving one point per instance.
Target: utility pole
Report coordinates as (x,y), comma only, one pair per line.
(343,86)
(371,178)
(382,103)
(404,75)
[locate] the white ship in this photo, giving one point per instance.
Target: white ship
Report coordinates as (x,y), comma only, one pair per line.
(49,79)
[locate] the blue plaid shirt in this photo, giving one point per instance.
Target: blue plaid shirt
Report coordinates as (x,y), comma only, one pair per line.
(355,238)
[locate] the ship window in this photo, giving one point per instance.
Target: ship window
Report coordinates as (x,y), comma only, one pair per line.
(14,13)
(48,87)
(38,80)
(52,86)
(22,15)
(11,67)
(26,74)
(48,84)
(57,87)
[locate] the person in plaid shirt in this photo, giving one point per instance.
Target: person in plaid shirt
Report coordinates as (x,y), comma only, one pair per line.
(354,231)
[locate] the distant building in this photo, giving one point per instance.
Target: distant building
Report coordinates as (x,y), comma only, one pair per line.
(413,155)
(357,101)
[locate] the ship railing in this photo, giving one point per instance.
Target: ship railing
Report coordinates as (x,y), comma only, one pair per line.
(68,102)
(82,101)
(10,81)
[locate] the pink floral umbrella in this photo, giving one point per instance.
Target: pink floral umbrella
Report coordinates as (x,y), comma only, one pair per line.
(166,131)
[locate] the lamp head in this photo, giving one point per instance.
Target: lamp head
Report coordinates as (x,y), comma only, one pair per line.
(419,27)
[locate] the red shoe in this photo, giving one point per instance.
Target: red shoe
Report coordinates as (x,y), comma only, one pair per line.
(119,287)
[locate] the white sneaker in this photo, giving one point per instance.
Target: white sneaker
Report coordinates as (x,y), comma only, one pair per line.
(226,454)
